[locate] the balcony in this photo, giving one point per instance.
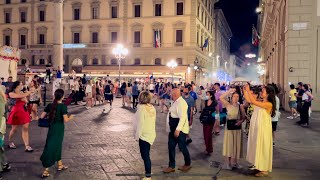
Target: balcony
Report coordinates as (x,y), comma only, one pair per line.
(40,46)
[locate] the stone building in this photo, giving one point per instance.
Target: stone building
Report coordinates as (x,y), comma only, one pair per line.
(86,31)
(290,44)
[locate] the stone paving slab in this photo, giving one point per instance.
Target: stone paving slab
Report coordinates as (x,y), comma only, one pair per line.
(100,146)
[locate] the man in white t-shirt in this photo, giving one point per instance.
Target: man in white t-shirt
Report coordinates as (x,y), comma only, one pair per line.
(56,85)
(151,88)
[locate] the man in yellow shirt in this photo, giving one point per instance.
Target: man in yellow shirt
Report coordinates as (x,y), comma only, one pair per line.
(293,102)
(178,128)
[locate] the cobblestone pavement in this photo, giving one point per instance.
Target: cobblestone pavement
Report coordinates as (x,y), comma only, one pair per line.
(100,146)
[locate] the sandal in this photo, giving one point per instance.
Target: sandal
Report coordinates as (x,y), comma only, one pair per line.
(62,167)
(28,149)
(12,146)
(261,174)
(45,174)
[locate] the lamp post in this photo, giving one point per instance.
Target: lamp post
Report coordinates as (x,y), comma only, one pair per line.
(172,64)
(120,53)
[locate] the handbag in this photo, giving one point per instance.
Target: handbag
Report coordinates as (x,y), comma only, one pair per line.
(206,115)
(231,124)
(44,122)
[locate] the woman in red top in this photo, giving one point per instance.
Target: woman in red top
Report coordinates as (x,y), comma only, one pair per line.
(19,115)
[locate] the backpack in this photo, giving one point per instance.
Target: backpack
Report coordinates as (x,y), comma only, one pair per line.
(206,116)
(107,89)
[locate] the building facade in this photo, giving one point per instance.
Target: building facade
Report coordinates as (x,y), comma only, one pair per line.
(92,28)
(290,44)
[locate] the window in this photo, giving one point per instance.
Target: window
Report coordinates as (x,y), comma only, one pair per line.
(76,38)
(157,61)
(23,61)
(114,37)
(179,61)
(180,8)
(41,61)
(198,37)
(42,15)
(22,40)
(95,13)
(76,14)
(179,34)
(7,40)
(23,17)
(114,61)
(7,17)
(94,37)
(137,61)
(157,9)
(137,10)
(41,39)
(198,12)
(8,1)
(114,12)
(23,1)
(95,61)
(137,37)
(157,35)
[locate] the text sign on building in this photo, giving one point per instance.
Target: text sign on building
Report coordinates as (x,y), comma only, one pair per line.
(299,26)
(73,46)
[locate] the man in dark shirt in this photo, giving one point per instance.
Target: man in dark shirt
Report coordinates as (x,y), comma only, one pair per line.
(299,96)
(191,104)
(135,94)
(8,84)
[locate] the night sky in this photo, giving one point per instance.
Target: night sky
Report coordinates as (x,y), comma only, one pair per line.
(240,15)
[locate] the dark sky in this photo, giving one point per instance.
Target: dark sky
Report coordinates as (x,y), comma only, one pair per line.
(240,15)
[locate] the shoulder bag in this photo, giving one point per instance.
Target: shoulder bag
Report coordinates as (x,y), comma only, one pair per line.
(232,123)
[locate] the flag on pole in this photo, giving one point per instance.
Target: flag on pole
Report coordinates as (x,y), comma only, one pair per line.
(205,45)
(157,39)
(255,37)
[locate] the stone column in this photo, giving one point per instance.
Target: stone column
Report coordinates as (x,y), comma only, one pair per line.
(58,34)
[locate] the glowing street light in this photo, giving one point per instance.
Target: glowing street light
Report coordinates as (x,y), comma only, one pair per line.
(250,55)
(172,65)
(258,10)
(120,53)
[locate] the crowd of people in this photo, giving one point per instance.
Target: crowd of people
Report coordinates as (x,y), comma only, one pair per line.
(220,107)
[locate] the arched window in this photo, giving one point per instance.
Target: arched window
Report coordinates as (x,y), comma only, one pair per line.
(114,61)
(179,61)
(157,61)
(137,61)
(95,61)
(42,62)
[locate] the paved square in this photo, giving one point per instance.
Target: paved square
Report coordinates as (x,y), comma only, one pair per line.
(100,146)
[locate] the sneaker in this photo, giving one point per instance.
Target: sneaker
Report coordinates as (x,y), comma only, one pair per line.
(304,125)
(28,149)
(6,167)
(290,117)
(252,167)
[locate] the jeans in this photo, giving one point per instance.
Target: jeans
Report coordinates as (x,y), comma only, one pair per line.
(145,154)
(135,100)
(207,135)
(172,143)
(75,97)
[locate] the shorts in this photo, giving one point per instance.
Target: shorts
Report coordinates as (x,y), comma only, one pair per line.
(89,95)
(108,97)
(274,125)
(128,94)
(292,104)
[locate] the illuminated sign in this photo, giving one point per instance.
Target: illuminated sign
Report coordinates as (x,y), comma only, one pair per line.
(73,46)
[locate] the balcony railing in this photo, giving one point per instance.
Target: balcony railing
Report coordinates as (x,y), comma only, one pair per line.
(40,46)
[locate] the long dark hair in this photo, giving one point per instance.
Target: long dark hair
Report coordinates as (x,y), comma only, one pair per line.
(271,98)
(213,98)
(58,95)
(14,86)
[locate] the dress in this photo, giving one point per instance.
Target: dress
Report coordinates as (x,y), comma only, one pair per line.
(232,141)
(19,114)
(53,148)
(260,148)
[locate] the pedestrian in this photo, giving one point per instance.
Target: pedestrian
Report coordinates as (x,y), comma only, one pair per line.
(202,94)
(35,99)
(293,102)
(307,97)
(123,93)
(210,109)
(299,97)
(94,93)
(232,140)
(135,94)
(55,85)
(19,115)
(255,91)
(151,87)
(222,114)
(4,166)
(276,118)
(57,114)
(260,148)
(59,75)
(191,105)
(145,129)
(178,127)
(128,94)
(108,95)
(76,88)
(89,94)
(8,84)
(48,74)
(195,97)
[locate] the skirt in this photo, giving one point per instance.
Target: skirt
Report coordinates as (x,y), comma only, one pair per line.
(232,144)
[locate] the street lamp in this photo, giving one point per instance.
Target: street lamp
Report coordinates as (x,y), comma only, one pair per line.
(120,53)
(172,64)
